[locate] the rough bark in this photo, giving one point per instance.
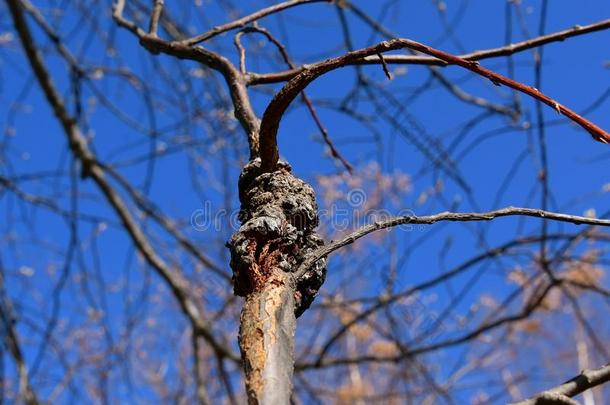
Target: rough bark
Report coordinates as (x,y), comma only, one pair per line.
(279,217)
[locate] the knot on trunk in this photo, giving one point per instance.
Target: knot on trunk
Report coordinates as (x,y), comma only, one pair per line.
(278,216)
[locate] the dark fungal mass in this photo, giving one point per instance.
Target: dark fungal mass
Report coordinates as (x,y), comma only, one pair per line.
(278,216)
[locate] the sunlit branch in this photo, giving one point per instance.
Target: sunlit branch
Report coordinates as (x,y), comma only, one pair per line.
(577,385)
(278,106)
(444,216)
(334,152)
(154,17)
(275,77)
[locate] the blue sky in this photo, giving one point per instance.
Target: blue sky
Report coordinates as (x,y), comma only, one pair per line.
(575,73)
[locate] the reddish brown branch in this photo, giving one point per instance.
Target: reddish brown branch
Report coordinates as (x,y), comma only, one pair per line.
(596,132)
(277,107)
(510,49)
(331,146)
(310,107)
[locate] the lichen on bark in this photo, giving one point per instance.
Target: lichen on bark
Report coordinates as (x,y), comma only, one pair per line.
(278,216)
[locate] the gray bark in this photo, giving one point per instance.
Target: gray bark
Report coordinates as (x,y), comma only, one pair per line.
(266,340)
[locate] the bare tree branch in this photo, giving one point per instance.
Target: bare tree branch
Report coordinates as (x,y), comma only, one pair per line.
(235,80)
(91,168)
(444,216)
(154,17)
(273,114)
(561,394)
(274,77)
(387,308)
(248,19)
(532,304)
(11,340)
(147,207)
(310,107)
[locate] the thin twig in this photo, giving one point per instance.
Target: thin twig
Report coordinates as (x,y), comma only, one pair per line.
(510,49)
(10,339)
(235,80)
(577,385)
(384,64)
(154,17)
(526,311)
(443,216)
(241,51)
(241,22)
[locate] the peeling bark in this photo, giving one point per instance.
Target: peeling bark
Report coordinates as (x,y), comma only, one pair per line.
(266,340)
(279,217)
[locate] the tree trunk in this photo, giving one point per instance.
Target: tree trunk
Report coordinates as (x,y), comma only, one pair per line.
(279,217)
(266,340)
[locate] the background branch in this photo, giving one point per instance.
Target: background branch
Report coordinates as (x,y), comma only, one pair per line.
(587,379)
(91,168)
